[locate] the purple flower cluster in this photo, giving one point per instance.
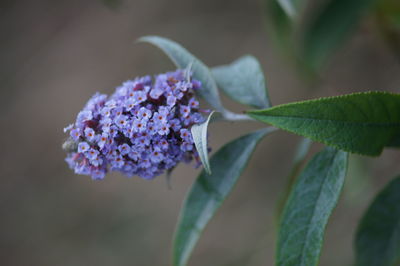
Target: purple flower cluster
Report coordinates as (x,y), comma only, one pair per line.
(142,129)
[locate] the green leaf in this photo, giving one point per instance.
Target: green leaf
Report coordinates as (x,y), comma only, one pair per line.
(329,26)
(182,58)
(243,81)
(308,208)
(302,150)
(208,192)
(377,241)
(199,133)
(361,122)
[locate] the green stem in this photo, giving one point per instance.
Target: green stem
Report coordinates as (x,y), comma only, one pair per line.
(230,116)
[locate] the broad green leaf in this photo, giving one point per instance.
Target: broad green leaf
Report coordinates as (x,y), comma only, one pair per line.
(199,133)
(308,208)
(361,122)
(208,192)
(378,236)
(182,59)
(330,24)
(243,81)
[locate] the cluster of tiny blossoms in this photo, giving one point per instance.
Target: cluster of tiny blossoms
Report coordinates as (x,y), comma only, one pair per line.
(142,129)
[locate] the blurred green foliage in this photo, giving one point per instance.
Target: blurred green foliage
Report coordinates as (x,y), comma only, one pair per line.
(310,32)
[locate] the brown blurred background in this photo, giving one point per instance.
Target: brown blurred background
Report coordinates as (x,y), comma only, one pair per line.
(55,54)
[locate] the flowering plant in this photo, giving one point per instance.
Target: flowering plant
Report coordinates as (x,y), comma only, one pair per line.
(147,127)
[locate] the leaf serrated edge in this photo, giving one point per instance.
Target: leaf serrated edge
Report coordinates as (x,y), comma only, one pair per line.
(321,99)
(255,113)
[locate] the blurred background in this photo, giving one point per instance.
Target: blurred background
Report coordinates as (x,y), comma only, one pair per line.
(55,54)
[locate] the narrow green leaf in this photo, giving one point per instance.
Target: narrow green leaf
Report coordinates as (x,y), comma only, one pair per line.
(208,192)
(302,150)
(361,122)
(329,26)
(182,58)
(243,81)
(308,208)
(377,241)
(199,133)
